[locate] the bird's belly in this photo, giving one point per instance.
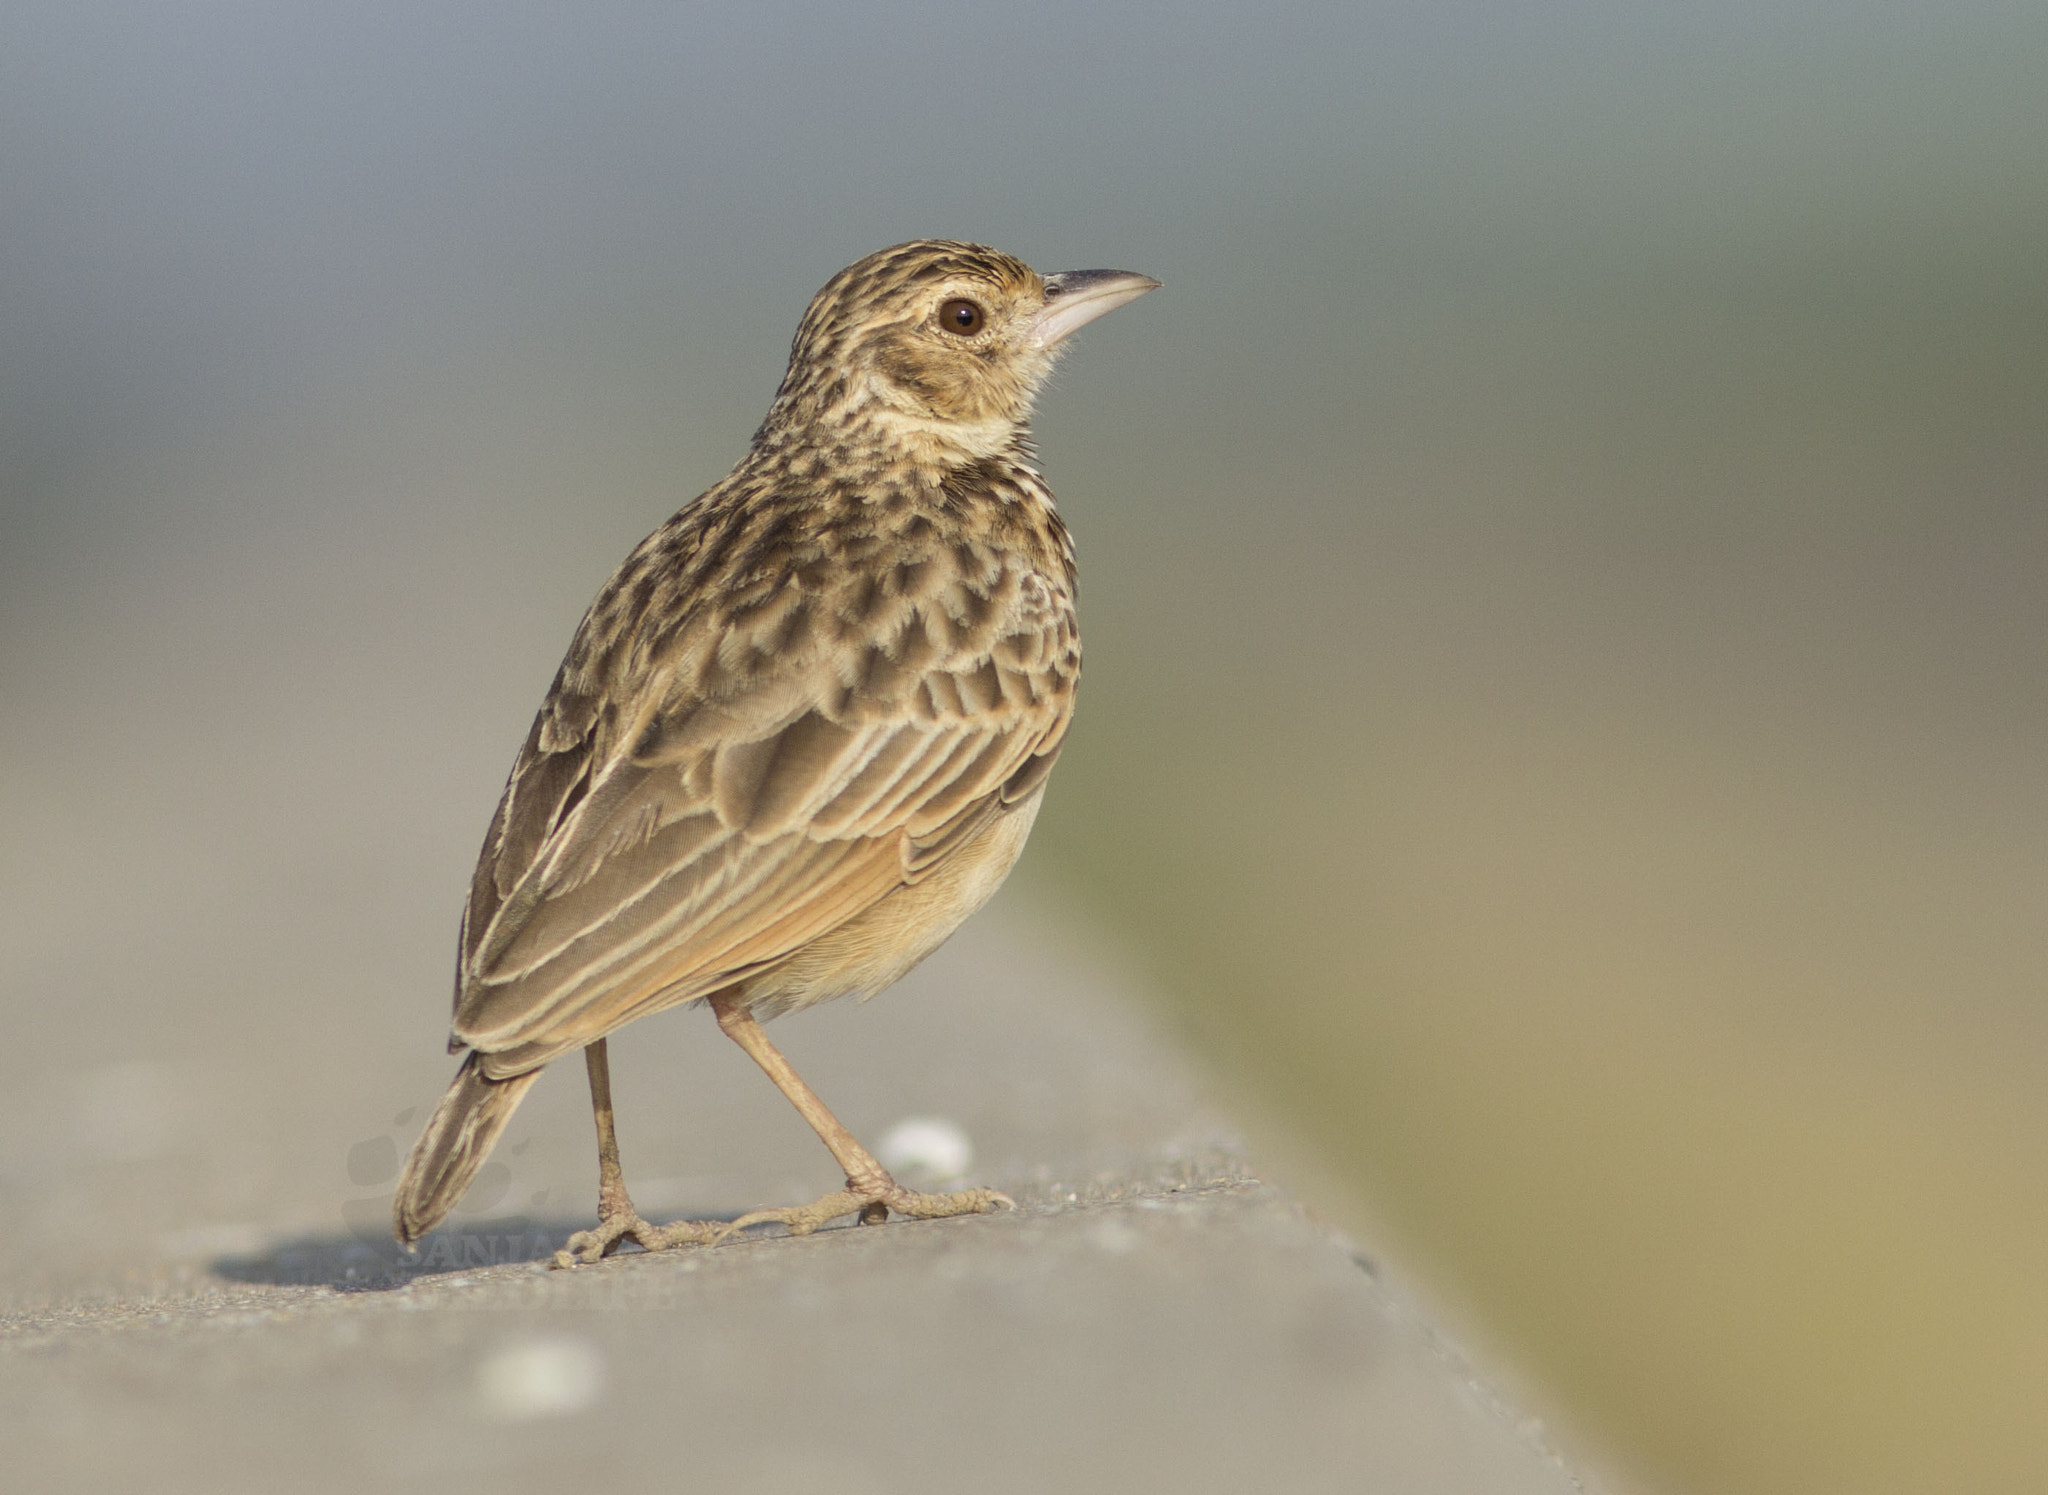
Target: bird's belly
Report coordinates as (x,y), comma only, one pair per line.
(876,948)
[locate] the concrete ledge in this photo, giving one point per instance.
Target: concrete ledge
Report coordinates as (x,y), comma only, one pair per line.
(1151,1317)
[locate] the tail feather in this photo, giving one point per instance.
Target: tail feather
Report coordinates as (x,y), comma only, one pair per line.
(459,1136)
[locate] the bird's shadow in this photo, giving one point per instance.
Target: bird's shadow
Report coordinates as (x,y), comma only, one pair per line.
(365,1259)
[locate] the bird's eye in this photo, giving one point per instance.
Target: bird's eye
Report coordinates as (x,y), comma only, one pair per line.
(961,316)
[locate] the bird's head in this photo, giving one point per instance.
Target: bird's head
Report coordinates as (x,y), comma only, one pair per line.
(940,344)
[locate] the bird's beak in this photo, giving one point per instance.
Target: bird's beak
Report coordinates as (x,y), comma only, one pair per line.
(1074,298)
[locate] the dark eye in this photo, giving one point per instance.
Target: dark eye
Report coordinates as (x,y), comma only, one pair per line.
(961,316)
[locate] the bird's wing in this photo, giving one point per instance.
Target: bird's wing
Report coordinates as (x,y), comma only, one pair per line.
(640,858)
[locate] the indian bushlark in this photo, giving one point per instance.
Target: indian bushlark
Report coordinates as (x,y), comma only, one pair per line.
(800,735)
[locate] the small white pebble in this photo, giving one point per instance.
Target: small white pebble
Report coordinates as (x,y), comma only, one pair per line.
(930,1145)
(540,1378)
(1114,1236)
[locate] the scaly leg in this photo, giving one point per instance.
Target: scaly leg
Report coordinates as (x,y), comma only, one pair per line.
(616,1217)
(870,1192)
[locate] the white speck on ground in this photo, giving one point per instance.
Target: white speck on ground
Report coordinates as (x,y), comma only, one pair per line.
(929,1145)
(1114,1236)
(540,1378)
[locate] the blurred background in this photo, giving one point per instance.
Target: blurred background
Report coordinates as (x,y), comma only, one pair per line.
(1565,573)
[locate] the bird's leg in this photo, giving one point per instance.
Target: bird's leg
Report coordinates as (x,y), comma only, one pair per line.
(870,1192)
(616,1217)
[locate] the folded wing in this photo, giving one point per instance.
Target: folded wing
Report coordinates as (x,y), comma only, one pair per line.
(657,842)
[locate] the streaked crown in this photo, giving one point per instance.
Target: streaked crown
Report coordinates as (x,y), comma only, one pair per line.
(947,342)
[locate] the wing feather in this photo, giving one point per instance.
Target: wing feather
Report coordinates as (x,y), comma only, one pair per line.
(663,837)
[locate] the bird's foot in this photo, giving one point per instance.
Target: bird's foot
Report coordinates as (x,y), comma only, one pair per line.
(587,1246)
(872,1200)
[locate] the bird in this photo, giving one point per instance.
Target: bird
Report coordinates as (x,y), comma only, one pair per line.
(800,735)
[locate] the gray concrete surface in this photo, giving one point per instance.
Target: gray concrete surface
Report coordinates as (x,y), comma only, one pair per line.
(1153,1317)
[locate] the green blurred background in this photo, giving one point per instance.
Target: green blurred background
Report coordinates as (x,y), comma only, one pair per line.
(1565,572)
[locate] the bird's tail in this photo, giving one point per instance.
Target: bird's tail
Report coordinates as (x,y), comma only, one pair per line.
(458,1138)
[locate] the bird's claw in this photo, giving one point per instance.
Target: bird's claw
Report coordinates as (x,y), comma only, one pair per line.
(588,1246)
(873,1205)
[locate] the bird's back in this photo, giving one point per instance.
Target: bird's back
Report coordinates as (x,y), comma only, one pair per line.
(812,688)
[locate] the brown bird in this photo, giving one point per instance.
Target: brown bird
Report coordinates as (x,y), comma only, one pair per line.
(800,735)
